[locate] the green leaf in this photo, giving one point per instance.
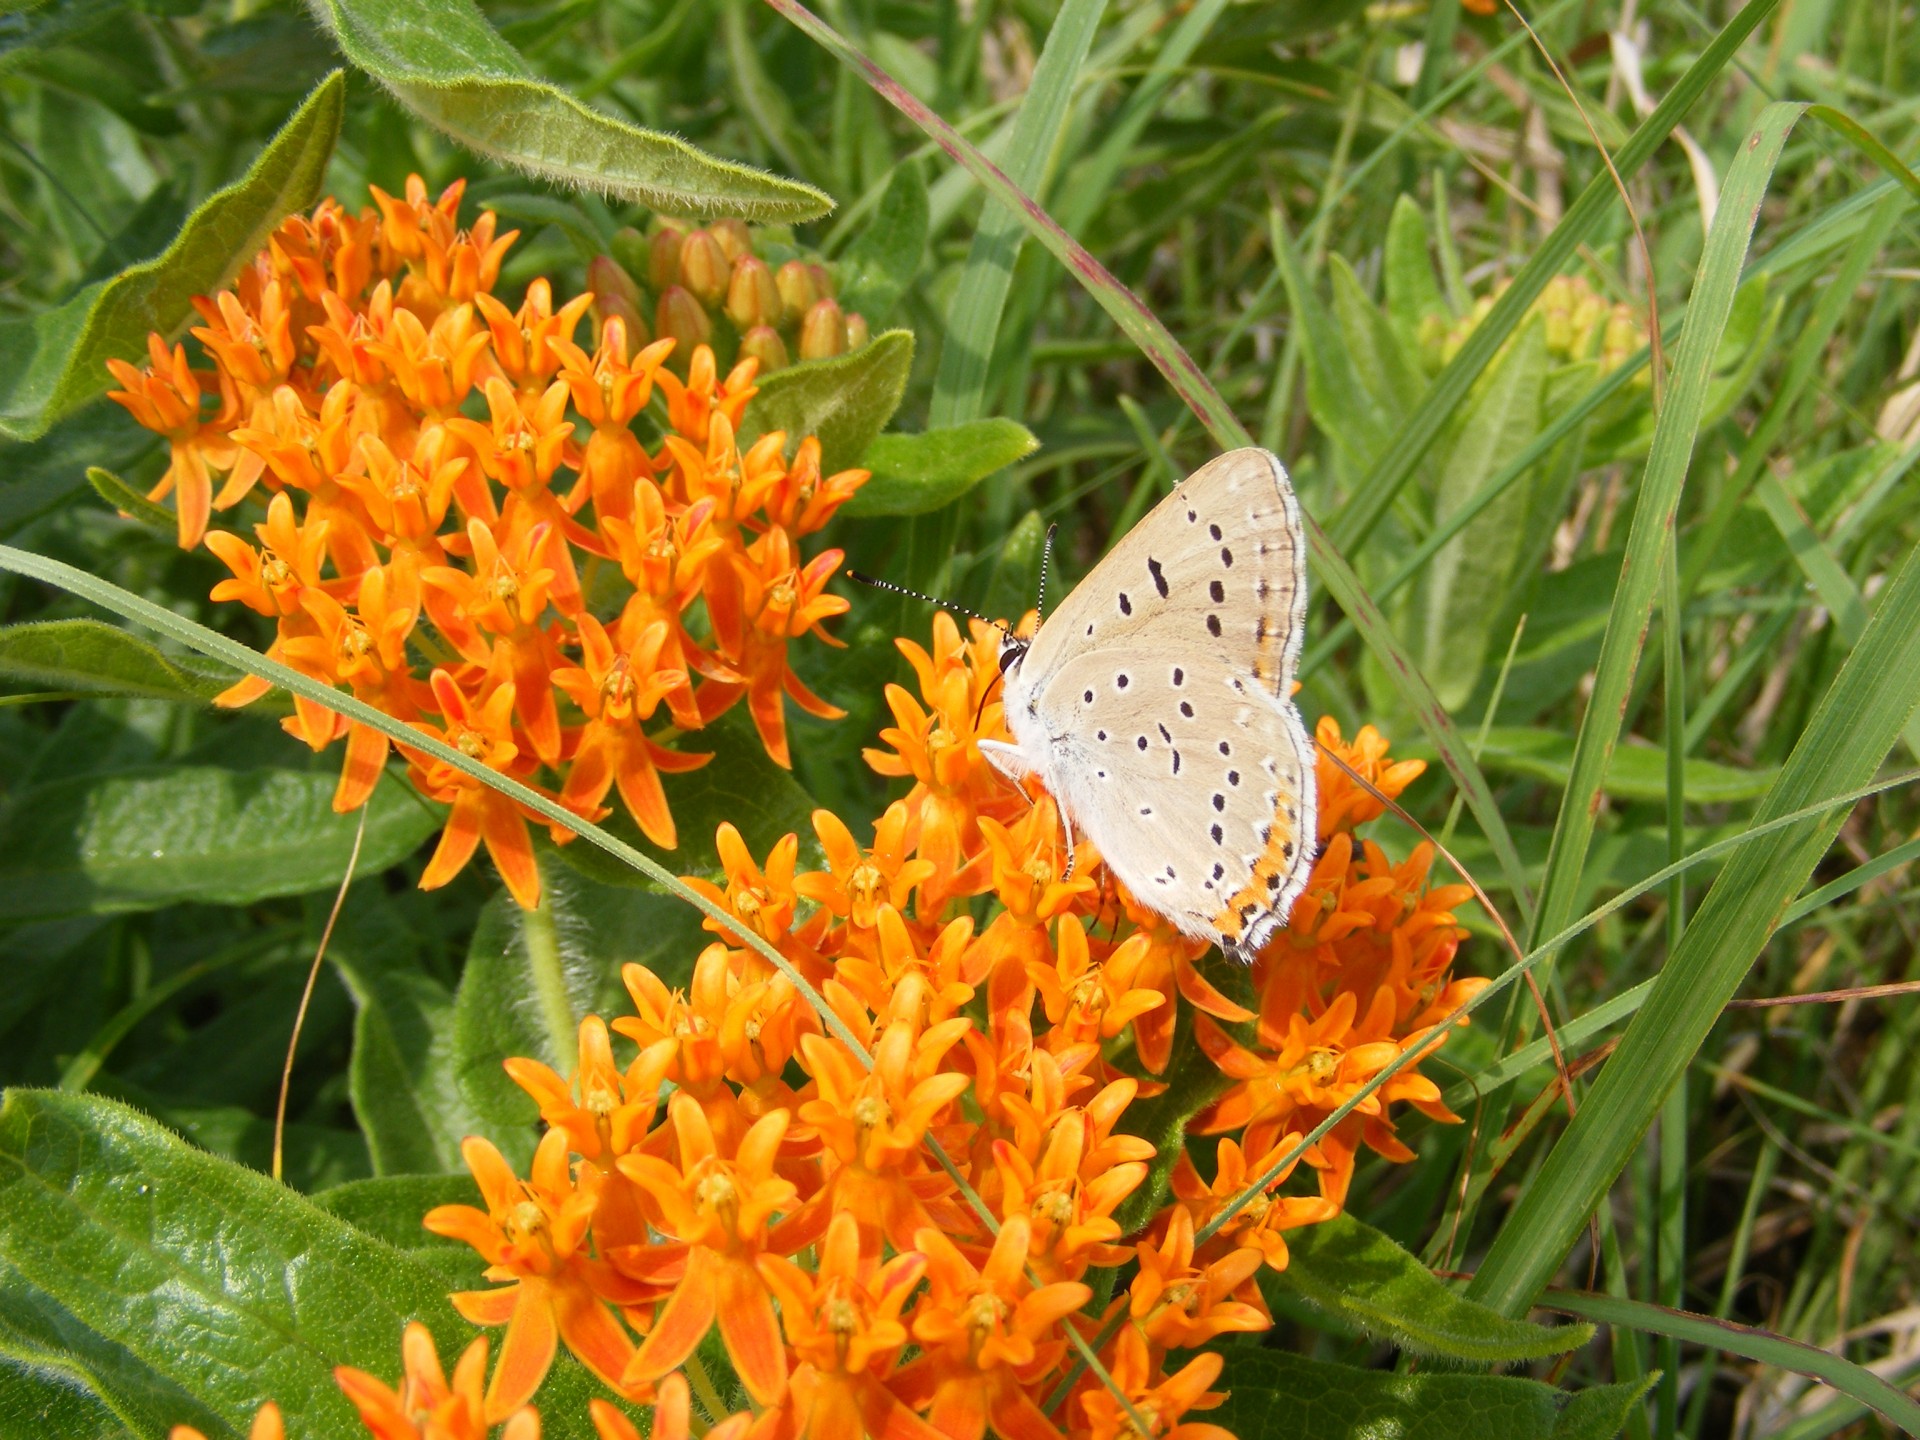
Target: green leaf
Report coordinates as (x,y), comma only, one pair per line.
(1277,1396)
(442,60)
(1392,378)
(533,975)
(846,401)
(1362,1280)
(401,1076)
(102,660)
(140,838)
(123,497)
(1762,1346)
(876,268)
(145,1241)
(1401,455)
(1413,291)
(55,362)
(60,1381)
(1468,583)
(913,474)
(390,1208)
(1636,772)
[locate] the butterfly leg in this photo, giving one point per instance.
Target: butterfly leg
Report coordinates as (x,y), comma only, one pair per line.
(1066,824)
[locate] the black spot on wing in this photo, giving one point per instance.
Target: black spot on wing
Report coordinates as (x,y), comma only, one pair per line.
(1159,576)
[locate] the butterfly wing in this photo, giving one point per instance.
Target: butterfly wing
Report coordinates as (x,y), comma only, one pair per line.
(1159,693)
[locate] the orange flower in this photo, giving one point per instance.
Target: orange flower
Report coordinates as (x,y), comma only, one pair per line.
(720,1213)
(844,1325)
(618,691)
(426,1407)
(987,1335)
(479,812)
(165,398)
(1159,1404)
(672,1417)
(873,1123)
(773,600)
(533,1235)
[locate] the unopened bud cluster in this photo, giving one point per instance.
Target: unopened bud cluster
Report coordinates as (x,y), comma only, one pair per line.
(710,286)
(1580,325)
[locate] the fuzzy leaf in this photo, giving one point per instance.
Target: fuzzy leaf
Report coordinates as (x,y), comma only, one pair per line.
(1359,1277)
(55,362)
(389,1208)
(1277,1396)
(914,474)
(145,1241)
(443,61)
(102,660)
(846,401)
(876,268)
(140,838)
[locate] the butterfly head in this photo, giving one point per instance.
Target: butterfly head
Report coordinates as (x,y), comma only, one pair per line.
(1013,649)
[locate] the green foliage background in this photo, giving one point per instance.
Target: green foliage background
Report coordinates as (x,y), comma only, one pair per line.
(1631,622)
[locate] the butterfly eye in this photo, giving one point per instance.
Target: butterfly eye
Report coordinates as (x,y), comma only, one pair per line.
(1011,654)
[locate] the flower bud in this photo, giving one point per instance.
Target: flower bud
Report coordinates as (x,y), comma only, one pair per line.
(680,317)
(763,343)
(823,333)
(857,332)
(663,257)
(732,237)
(797,290)
(614,293)
(822,279)
(752,297)
(704,267)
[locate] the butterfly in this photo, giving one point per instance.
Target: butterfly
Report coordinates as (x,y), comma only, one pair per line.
(1155,705)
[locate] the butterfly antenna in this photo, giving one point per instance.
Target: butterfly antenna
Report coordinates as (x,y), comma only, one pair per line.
(1046,557)
(880,584)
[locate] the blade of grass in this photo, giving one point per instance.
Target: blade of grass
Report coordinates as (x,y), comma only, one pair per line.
(1444,397)
(1857,722)
(973,317)
(1676,432)
(1854,1381)
(1194,389)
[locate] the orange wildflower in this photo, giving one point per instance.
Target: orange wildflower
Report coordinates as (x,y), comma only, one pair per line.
(533,1235)
(425,1406)
(267,1425)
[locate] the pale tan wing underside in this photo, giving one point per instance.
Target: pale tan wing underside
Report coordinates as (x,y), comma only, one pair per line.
(1172,739)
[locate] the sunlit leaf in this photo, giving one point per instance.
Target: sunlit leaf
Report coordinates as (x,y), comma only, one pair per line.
(914,474)
(846,401)
(443,61)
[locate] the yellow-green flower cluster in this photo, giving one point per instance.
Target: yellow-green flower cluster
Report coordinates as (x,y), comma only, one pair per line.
(1580,325)
(713,286)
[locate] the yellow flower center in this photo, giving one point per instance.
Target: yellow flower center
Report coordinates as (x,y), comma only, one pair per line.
(869,1111)
(505,587)
(866,883)
(718,1195)
(274,572)
(471,743)
(983,1316)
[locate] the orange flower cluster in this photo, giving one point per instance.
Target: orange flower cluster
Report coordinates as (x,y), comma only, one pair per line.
(894,1208)
(403,535)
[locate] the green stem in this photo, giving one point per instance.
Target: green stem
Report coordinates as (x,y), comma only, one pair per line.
(548,971)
